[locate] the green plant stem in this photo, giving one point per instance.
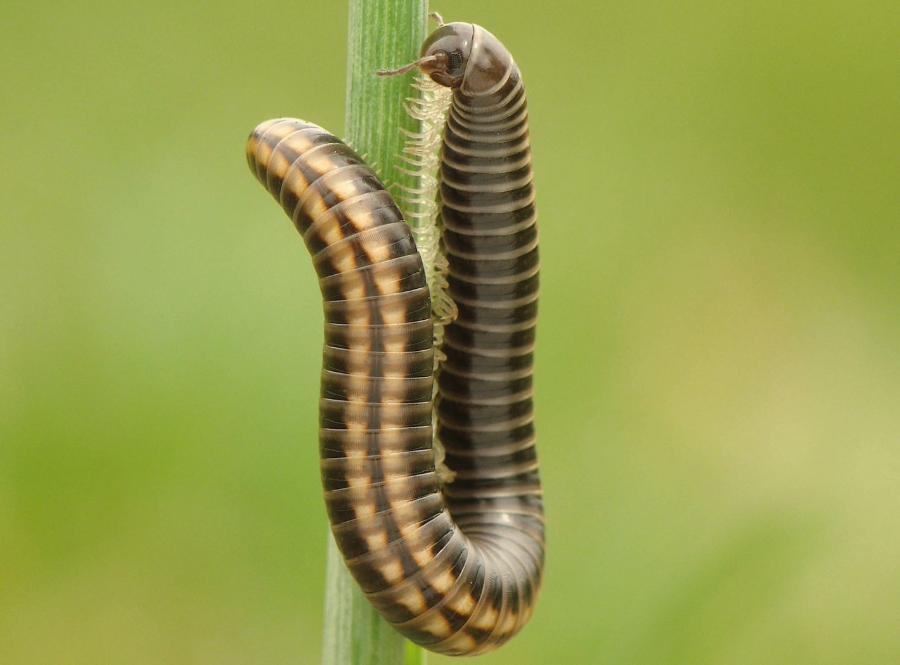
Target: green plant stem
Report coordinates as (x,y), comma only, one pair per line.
(382,34)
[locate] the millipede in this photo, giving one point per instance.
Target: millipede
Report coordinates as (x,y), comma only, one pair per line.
(453,560)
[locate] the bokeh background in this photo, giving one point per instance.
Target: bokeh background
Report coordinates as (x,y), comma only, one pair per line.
(718,371)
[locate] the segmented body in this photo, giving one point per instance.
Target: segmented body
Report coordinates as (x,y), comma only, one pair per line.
(454,567)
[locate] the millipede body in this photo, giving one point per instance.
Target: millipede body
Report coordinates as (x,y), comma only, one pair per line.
(454,565)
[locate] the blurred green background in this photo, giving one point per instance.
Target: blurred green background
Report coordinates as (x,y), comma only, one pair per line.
(718,371)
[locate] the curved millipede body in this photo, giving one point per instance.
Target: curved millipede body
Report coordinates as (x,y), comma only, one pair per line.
(455,566)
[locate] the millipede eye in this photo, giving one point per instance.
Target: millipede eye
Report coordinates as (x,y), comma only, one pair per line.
(455,61)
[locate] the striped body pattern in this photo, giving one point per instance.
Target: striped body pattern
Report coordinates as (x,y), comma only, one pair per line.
(485,413)
(454,565)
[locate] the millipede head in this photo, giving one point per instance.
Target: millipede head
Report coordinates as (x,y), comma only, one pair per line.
(444,55)
(461,56)
(446,52)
